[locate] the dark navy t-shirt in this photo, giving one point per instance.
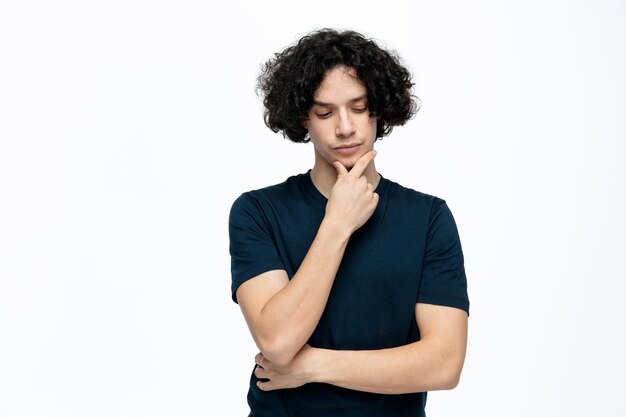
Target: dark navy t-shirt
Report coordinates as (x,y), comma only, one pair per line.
(408,252)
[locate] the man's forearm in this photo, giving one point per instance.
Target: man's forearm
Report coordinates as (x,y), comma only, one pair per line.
(291,315)
(416,367)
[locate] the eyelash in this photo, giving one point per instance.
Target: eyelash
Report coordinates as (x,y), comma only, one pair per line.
(326,115)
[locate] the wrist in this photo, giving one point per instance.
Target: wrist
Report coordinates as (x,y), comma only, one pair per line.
(335,230)
(319,365)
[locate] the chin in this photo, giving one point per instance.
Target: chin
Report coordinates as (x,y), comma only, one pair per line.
(349,166)
(349,162)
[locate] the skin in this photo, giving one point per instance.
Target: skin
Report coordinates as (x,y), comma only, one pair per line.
(282,314)
(339,117)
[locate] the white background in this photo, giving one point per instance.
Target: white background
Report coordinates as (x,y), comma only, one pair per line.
(127,129)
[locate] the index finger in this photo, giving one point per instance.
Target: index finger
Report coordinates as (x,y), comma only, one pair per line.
(359,167)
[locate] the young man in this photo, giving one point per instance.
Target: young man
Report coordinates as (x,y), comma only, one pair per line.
(353,287)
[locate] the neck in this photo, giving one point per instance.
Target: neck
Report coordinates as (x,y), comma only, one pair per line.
(324,176)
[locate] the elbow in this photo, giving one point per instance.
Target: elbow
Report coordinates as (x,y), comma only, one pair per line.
(278,353)
(447,374)
(451,380)
(279,358)
(450,377)
(451,369)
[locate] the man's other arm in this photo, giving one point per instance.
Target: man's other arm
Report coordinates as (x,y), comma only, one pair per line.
(432,363)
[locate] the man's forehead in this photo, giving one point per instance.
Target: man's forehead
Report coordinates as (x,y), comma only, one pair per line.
(340,84)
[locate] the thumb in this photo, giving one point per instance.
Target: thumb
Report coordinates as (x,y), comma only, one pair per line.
(341,170)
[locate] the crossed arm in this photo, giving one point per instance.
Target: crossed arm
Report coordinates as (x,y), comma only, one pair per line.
(432,363)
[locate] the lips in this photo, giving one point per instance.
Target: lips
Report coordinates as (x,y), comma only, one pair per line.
(348,149)
(350,145)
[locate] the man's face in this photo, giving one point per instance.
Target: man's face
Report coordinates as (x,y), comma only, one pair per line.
(339,123)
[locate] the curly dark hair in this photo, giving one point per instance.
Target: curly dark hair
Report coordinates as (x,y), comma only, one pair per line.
(289,81)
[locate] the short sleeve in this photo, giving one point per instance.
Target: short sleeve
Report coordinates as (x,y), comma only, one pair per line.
(443,275)
(252,247)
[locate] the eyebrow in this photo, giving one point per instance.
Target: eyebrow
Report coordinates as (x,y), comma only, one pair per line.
(323,104)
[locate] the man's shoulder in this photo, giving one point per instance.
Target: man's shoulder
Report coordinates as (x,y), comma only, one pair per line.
(410,195)
(277,189)
(271,193)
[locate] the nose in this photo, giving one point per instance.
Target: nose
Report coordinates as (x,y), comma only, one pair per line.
(345,127)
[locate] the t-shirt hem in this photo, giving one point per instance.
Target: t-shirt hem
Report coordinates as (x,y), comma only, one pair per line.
(446,300)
